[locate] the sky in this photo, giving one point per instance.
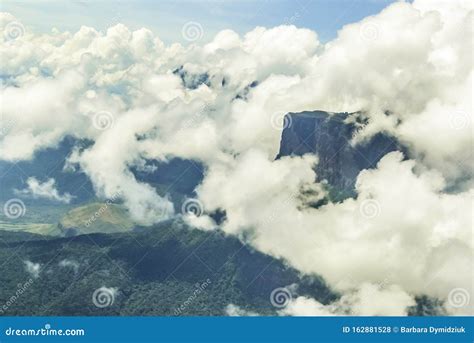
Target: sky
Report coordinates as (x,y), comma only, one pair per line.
(166,18)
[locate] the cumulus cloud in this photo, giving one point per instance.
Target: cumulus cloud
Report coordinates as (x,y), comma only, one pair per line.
(408,69)
(41,112)
(368,300)
(69,264)
(306,307)
(32,268)
(256,192)
(235,311)
(409,235)
(45,190)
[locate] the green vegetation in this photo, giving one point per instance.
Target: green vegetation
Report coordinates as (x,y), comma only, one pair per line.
(94,217)
(37,228)
(154,270)
(98,218)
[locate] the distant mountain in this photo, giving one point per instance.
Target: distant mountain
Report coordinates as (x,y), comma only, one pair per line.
(97,217)
(328,135)
(152,271)
(190,80)
(176,175)
(46,164)
(175,178)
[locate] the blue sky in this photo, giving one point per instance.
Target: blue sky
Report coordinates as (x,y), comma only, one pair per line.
(166,18)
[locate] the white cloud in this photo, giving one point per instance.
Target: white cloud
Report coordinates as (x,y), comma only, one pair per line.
(368,300)
(235,311)
(413,238)
(69,264)
(33,269)
(412,59)
(306,307)
(46,190)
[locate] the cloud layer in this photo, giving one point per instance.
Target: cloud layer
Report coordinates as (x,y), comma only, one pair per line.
(411,223)
(45,190)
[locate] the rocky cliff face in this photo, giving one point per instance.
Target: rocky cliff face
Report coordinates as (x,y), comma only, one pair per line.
(328,135)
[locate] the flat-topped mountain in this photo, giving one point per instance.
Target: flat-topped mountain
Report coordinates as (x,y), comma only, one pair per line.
(329,135)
